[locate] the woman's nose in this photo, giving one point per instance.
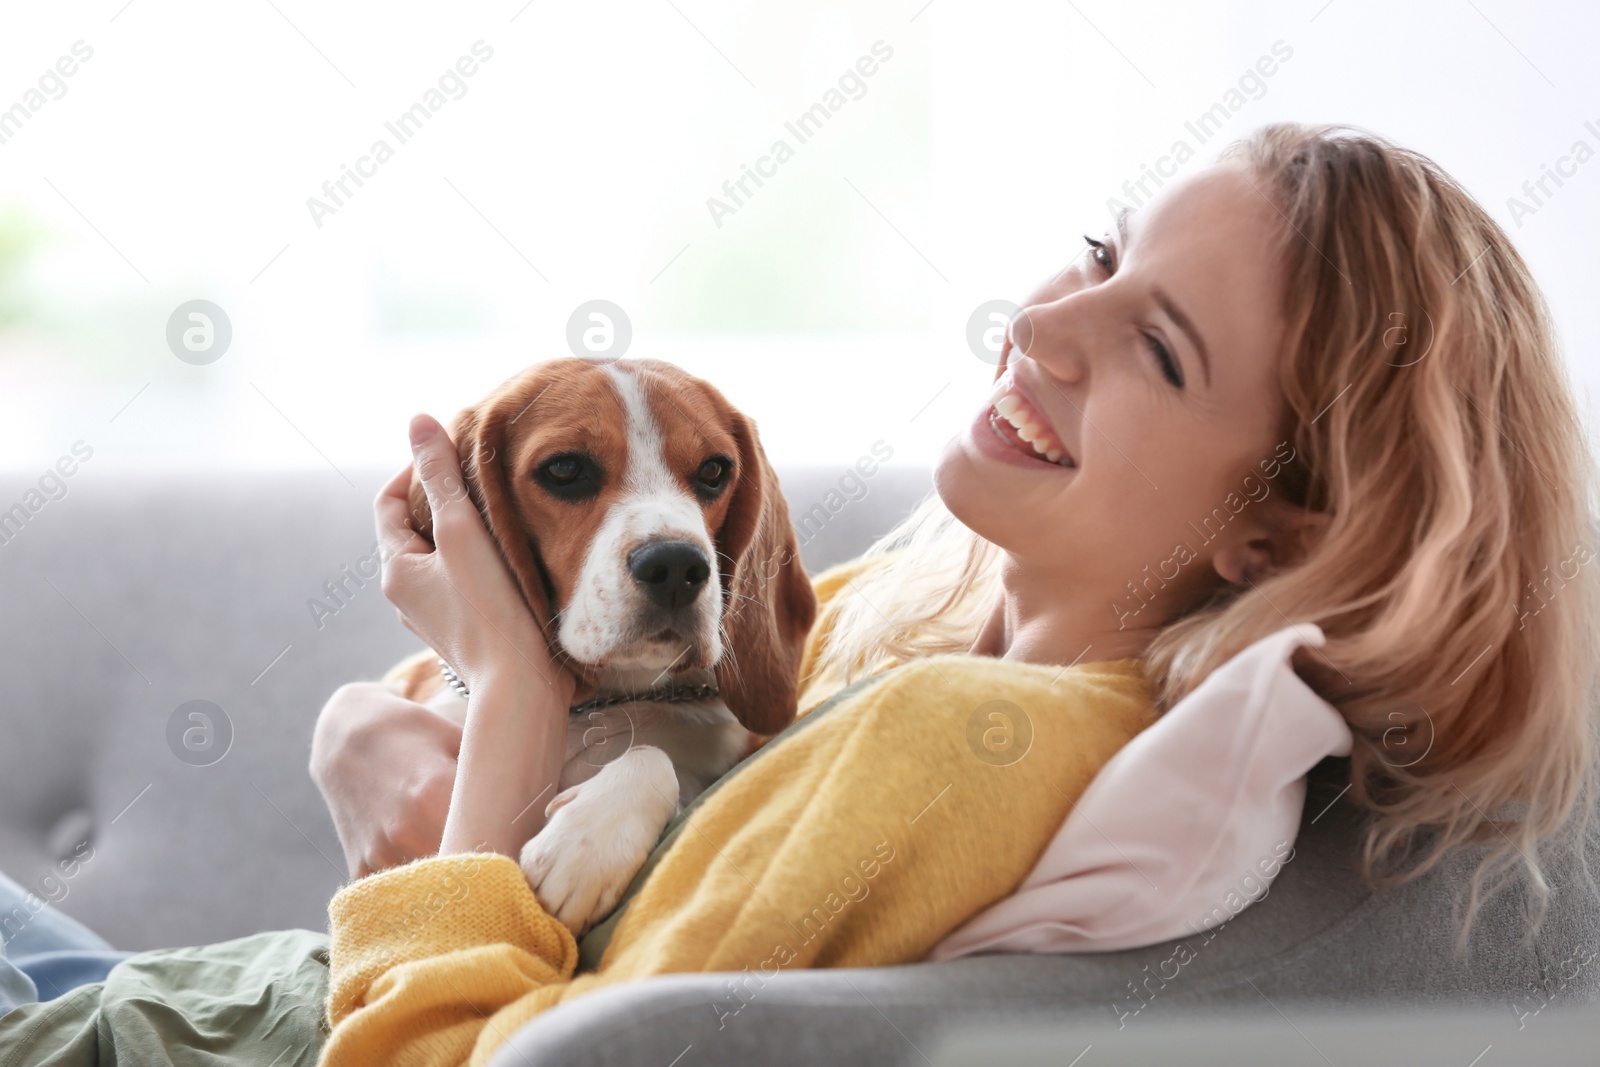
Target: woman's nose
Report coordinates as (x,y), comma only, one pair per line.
(1055,335)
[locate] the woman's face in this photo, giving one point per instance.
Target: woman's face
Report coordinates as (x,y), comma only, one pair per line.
(1145,375)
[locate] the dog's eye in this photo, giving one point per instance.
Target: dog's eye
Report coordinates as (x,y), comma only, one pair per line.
(569,475)
(712,474)
(564,470)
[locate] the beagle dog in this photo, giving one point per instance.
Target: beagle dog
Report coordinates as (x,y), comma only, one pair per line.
(646,530)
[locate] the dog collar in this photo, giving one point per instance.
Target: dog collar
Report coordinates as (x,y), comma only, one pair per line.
(661,694)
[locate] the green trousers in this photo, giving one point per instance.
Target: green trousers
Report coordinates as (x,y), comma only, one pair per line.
(257,1001)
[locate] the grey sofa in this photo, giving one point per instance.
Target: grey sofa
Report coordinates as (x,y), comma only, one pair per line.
(129,598)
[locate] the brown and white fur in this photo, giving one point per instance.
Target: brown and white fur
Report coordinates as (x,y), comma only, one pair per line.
(668,557)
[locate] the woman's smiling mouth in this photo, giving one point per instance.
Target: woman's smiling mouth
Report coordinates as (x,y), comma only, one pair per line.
(1021,426)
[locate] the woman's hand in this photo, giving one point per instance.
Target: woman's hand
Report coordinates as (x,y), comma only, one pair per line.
(386,766)
(459,596)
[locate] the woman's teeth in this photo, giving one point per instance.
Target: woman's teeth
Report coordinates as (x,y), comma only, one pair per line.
(1029,424)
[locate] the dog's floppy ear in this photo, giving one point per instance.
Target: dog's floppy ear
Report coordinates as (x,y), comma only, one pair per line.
(481,437)
(769,605)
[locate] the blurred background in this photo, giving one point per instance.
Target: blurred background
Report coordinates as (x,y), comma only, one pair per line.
(186,154)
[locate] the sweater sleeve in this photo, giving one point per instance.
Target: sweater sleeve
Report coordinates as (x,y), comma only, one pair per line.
(423,956)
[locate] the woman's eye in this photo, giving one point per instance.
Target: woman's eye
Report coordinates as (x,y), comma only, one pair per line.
(1169,366)
(1098,252)
(712,473)
(570,475)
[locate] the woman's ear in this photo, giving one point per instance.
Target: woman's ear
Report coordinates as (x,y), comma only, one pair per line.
(1267,537)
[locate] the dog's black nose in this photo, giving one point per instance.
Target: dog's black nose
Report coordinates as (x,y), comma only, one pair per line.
(672,572)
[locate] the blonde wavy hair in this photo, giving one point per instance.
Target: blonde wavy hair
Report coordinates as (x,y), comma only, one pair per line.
(1452,579)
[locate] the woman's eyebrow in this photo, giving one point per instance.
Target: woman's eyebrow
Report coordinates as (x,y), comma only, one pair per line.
(1185,323)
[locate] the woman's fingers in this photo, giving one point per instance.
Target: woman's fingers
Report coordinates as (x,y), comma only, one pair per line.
(392,510)
(440,470)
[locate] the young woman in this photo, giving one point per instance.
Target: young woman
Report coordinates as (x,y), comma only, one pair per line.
(1319,297)
(1319,300)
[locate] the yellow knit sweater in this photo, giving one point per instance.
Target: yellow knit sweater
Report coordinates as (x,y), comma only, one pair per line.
(861,840)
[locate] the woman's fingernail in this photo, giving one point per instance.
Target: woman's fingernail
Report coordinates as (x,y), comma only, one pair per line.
(422,428)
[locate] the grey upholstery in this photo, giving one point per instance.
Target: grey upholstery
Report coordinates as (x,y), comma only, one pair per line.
(1460,1037)
(129,597)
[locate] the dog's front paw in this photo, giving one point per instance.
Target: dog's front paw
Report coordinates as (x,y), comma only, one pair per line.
(581,862)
